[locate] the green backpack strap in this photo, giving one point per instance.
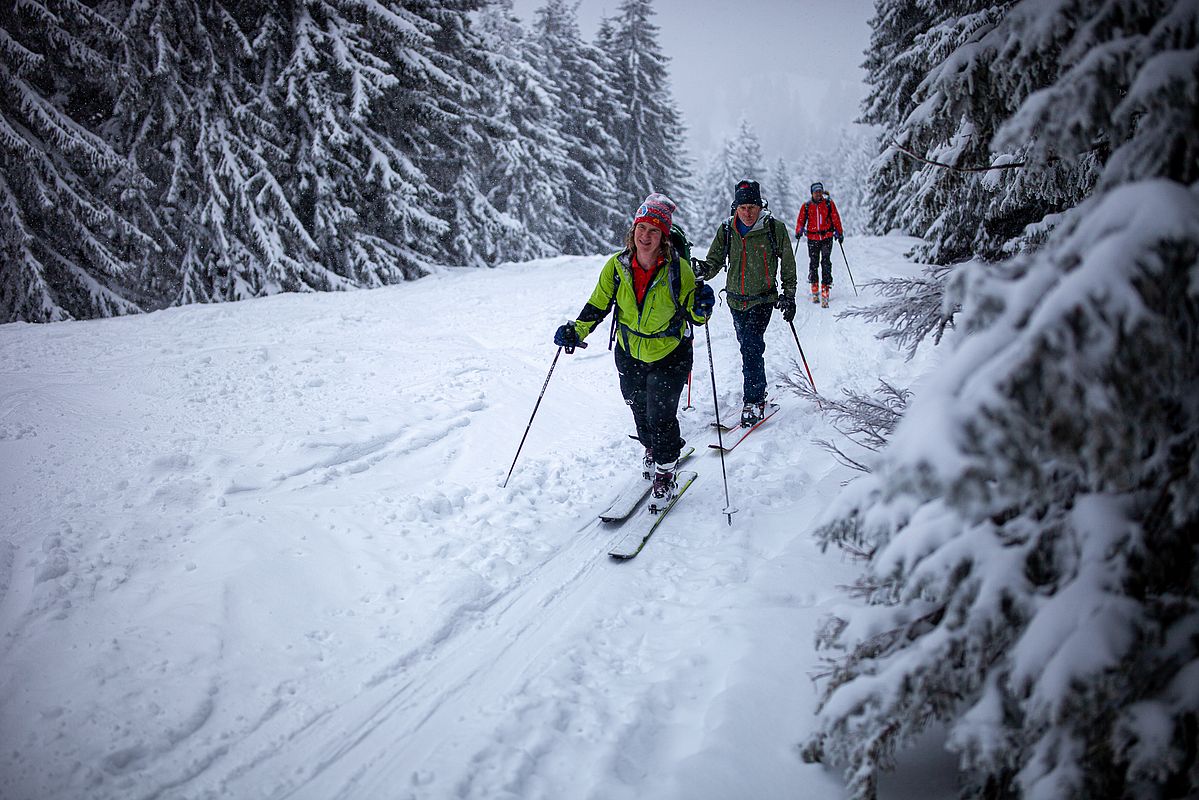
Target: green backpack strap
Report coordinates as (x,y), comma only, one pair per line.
(682,246)
(773,236)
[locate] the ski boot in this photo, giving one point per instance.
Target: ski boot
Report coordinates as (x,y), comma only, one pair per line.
(815,293)
(664,488)
(647,464)
(752,414)
(824,290)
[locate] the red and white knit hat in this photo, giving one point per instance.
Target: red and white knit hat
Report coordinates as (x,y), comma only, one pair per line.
(656,210)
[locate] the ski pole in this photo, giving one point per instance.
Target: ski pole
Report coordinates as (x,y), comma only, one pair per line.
(688,407)
(728,506)
(801,355)
(553,364)
(847,269)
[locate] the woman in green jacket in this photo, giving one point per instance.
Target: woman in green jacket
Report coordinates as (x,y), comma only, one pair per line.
(657,300)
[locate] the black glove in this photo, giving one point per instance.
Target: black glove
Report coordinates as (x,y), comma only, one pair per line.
(566,336)
(786,304)
(705,300)
(839,236)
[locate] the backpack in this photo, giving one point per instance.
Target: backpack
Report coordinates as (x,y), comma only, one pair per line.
(682,246)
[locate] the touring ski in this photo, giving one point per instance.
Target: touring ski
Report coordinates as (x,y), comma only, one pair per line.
(633,493)
(631,544)
(771,410)
(736,426)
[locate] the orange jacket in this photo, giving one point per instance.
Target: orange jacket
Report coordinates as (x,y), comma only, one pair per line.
(819,220)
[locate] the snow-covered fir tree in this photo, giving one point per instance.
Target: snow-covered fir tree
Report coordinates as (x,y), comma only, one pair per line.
(715,191)
(357,189)
(894,65)
(1033,575)
(942,82)
(739,158)
(526,163)
(587,112)
(783,196)
(441,117)
(652,137)
(746,154)
(67,249)
(196,118)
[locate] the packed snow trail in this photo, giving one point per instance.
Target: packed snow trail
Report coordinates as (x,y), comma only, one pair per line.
(260,549)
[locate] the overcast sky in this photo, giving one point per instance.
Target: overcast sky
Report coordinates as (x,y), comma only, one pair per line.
(791,67)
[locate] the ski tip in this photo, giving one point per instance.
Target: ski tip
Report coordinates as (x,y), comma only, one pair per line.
(718,447)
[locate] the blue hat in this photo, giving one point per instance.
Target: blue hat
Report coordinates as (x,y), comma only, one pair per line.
(817,187)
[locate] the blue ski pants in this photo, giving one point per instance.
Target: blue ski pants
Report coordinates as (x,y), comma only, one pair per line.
(750,326)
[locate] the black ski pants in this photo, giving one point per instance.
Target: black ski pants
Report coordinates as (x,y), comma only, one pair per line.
(652,391)
(750,326)
(820,255)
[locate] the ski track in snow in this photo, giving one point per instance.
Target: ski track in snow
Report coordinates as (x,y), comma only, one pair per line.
(261,549)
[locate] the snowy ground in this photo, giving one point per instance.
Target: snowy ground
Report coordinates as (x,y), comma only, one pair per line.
(261,550)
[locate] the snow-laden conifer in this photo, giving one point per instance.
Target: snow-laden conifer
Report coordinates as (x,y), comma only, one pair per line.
(587,111)
(199,119)
(1032,565)
(715,190)
(846,175)
(439,116)
(651,139)
(356,188)
(524,157)
(67,249)
(739,158)
(783,195)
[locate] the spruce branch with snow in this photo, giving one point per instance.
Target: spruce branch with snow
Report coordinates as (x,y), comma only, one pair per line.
(913,308)
(865,418)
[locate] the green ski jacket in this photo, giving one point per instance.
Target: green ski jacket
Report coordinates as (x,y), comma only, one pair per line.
(754,275)
(652,330)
